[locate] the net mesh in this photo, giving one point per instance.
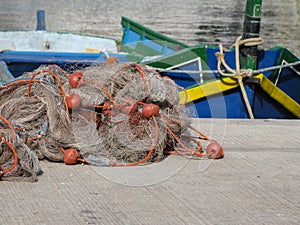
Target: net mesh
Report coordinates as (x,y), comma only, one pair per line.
(110,126)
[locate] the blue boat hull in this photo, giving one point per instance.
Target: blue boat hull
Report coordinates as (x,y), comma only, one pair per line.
(230,103)
(20,62)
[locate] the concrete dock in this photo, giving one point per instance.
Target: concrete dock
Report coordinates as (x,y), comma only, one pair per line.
(258,182)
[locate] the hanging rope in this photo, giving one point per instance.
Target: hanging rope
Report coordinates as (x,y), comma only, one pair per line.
(237,72)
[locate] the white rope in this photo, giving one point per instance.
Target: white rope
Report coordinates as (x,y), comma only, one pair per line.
(242,71)
(237,72)
(279,67)
(106,54)
(239,75)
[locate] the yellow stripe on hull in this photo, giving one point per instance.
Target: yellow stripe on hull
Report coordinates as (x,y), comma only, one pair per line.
(220,86)
(279,95)
(207,89)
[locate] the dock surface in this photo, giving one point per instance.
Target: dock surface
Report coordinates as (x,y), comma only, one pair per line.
(257,182)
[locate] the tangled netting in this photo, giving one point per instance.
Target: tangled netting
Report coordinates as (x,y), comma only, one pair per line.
(116,115)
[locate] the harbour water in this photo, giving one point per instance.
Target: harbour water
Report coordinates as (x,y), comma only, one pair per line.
(189,21)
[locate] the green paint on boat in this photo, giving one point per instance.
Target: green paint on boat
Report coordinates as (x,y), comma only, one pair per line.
(142,34)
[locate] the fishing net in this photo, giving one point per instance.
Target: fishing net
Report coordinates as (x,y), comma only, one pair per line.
(18,162)
(104,115)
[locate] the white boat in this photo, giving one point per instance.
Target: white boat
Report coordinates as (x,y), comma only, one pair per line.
(46,41)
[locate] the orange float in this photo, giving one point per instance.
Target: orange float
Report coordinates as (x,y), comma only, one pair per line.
(214,150)
(70,156)
(150,110)
(76,79)
(111,60)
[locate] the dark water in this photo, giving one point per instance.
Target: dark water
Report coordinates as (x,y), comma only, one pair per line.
(189,21)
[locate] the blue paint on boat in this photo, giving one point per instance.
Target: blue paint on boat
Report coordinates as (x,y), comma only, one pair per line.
(20,62)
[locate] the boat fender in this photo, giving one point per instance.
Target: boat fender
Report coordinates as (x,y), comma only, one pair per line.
(76,79)
(70,156)
(214,150)
(73,101)
(150,110)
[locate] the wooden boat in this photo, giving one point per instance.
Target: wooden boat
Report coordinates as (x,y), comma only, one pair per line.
(24,51)
(271,89)
(242,82)
(268,91)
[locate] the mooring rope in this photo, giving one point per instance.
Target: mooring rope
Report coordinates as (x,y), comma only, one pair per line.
(237,72)
(217,71)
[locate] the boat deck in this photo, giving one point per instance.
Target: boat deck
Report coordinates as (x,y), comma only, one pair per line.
(258,182)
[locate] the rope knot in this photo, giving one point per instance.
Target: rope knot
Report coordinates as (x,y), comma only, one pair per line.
(248,73)
(252,41)
(237,72)
(220,56)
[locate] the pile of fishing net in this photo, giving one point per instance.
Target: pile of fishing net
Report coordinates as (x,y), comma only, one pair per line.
(104,115)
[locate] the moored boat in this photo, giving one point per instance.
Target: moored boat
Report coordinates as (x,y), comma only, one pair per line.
(241,82)
(24,51)
(271,88)
(140,40)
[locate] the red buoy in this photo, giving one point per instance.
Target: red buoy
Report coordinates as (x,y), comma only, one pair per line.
(150,110)
(70,156)
(73,101)
(214,150)
(76,79)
